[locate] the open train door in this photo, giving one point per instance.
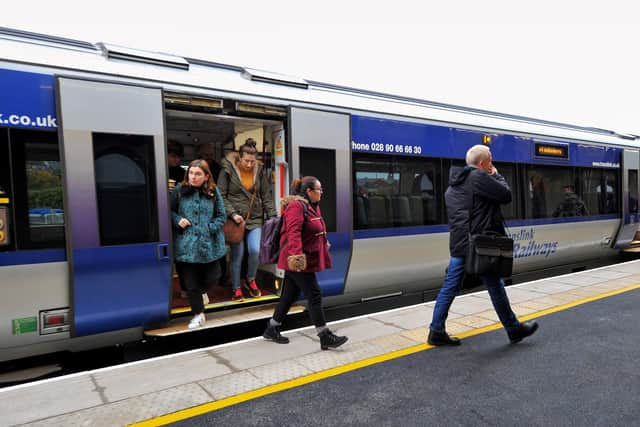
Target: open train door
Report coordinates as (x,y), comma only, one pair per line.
(321,147)
(629,224)
(113,150)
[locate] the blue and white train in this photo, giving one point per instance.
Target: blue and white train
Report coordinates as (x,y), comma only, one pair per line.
(85,236)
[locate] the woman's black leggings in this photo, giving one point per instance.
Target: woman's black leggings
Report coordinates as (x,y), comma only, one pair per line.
(293,284)
(197,279)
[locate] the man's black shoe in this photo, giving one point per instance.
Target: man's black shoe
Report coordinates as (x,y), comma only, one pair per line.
(441,338)
(273,333)
(521,332)
(330,340)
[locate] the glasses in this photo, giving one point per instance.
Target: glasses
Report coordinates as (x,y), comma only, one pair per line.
(318,190)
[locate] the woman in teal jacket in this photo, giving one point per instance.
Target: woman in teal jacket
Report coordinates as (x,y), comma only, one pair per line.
(197,213)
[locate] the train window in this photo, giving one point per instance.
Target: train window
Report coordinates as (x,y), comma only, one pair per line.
(633,191)
(37,181)
(6,221)
(508,171)
(553,192)
(600,190)
(321,163)
(125,188)
(396,191)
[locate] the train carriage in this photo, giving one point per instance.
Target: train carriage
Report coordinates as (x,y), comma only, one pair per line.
(85,235)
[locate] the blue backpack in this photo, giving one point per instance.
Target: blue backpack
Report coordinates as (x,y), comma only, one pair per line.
(270,239)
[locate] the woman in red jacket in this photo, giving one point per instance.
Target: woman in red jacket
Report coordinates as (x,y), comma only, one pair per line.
(304,252)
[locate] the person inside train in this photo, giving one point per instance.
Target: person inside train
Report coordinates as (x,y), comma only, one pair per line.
(481,179)
(246,190)
(304,251)
(175,152)
(571,205)
(207,151)
(538,193)
(197,212)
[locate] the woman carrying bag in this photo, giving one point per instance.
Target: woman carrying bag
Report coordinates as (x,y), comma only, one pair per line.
(197,214)
(248,199)
(304,251)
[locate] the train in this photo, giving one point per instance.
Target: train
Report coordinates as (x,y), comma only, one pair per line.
(85,231)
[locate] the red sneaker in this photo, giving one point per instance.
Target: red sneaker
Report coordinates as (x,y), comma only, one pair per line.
(237,295)
(253,289)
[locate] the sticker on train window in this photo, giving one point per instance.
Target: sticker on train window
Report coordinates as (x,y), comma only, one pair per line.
(25,325)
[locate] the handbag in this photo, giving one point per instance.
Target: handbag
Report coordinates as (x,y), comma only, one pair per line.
(234,232)
(489,253)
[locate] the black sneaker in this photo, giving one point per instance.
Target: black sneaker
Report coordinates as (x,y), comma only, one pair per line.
(272,333)
(521,332)
(330,340)
(441,338)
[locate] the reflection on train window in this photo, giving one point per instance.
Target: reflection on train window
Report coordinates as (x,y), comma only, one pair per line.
(6,219)
(44,191)
(600,191)
(508,172)
(396,191)
(125,188)
(37,185)
(552,192)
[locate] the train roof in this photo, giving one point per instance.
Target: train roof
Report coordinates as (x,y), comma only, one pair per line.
(198,76)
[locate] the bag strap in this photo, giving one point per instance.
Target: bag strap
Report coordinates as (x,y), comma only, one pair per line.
(253,199)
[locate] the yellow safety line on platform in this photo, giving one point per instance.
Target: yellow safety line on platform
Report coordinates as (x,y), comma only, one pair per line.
(243,397)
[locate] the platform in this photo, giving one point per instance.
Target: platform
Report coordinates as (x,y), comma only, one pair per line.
(179,387)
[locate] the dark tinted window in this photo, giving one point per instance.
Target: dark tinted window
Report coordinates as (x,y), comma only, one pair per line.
(125,188)
(6,214)
(396,191)
(321,163)
(633,191)
(508,171)
(37,183)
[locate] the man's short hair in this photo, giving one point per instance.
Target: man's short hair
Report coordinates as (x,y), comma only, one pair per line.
(476,154)
(175,148)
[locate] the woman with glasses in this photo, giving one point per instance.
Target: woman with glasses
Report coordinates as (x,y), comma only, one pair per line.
(247,198)
(304,251)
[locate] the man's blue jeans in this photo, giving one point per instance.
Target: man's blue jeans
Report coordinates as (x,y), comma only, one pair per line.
(451,288)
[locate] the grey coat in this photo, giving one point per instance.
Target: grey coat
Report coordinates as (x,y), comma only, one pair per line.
(237,198)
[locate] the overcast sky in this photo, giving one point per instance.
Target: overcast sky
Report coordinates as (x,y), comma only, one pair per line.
(569,61)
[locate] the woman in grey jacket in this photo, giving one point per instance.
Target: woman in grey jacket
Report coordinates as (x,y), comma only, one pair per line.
(241,177)
(197,213)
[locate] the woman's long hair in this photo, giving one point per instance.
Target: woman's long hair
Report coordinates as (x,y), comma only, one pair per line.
(209,186)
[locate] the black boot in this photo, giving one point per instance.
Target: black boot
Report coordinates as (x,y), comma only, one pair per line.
(273,333)
(441,338)
(524,330)
(330,340)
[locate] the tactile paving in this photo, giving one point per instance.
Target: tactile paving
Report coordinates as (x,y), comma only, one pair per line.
(133,410)
(348,353)
(279,372)
(232,384)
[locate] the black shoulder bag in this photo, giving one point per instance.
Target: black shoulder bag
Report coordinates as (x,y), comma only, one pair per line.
(489,253)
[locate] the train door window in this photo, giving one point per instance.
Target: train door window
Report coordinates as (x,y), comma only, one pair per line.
(125,188)
(633,190)
(552,192)
(37,182)
(321,163)
(508,171)
(600,190)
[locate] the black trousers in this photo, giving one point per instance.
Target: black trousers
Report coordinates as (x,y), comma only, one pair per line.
(197,279)
(293,284)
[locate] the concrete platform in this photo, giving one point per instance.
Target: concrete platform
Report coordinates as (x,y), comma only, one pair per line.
(172,388)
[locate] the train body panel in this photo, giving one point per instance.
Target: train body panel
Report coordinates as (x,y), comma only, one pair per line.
(383,161)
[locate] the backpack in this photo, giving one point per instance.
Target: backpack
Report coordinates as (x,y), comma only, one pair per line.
(270,239)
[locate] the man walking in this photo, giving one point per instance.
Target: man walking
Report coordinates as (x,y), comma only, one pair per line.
(473,202)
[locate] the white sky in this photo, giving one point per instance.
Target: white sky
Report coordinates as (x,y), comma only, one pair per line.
(569,61)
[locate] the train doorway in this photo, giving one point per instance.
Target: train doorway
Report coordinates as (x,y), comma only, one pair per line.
(213,130)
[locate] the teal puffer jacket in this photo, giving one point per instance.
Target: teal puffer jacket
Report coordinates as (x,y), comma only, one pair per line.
(203,241)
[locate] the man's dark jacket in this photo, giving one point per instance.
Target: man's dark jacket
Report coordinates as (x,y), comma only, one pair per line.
(474,190)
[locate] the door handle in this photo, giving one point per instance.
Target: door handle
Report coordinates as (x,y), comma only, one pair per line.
(162,251)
